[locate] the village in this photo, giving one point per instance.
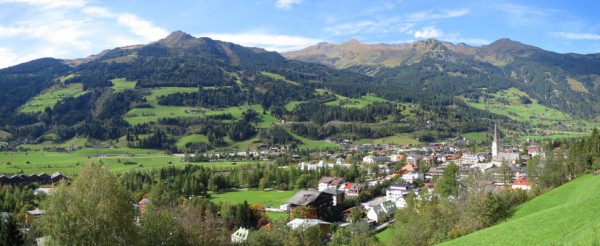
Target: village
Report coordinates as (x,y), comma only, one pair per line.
(405,170)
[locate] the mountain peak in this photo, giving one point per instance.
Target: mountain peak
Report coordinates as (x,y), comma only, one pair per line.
(177,38)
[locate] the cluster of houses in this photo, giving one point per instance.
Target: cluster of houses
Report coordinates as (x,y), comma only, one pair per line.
(23,179)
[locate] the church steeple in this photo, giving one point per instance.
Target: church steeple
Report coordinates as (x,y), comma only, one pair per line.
(495,143)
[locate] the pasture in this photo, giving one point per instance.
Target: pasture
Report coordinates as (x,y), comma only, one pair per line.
(50,97)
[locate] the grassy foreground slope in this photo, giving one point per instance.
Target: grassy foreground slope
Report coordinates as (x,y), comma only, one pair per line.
(568,215)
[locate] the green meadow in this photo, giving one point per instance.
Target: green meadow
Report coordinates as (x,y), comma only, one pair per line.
(567,215)
(398,139)
(122,84)
(279,77)
(508,103)
(50,97)
(146,115)
(119,160)
(476,136)
(355,102)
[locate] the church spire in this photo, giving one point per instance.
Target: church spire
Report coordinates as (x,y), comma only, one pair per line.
(495,143)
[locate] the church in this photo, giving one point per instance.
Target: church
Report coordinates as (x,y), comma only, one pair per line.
(499,157)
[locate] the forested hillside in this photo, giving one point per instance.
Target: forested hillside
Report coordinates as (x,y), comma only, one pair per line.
(152,96)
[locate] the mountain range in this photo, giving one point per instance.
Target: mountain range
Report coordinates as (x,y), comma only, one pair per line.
(182,85)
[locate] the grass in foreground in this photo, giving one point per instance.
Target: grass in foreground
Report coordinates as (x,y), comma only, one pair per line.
(567,215)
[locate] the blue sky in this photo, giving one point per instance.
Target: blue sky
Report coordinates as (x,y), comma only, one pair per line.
(31,29)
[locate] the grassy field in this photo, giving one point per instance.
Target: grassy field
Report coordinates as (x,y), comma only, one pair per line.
(277,216)
(50,97)
(279,77)
(398,139)
(146,115)
(191,138)
(476,136)
(385,235)
(122,84)
(355,102)
(508,103)
(292,105)
(272,198)
(309,144)
(567,215)
(4,134)
(70,163)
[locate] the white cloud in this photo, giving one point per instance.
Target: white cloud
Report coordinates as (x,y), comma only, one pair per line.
(287,4)
(7,57)
(48,4)
(429,32)
(141,27)
(378,8)
(578,36)
(68,29)
(272,42)
(429,15)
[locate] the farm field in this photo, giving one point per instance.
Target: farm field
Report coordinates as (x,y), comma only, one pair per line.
(50,97)
(567,215)
(274,198)
(398,139)
(50,162)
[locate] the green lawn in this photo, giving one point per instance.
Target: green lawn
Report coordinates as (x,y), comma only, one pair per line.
(567,215)
(385,235)
(275,198)
(50,97)
(398,139)
(277,216)
(122,84)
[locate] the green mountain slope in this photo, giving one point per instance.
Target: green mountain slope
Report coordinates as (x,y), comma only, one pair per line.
(567,215)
